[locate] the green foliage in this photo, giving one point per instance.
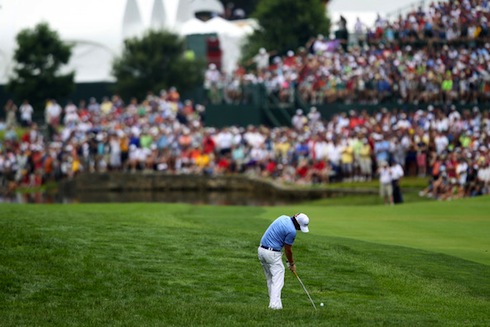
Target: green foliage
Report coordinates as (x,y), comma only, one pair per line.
(155,62)
(185,265)
(286,25)
(39,56)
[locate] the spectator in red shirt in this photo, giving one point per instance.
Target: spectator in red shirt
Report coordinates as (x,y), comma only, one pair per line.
(319,172)
(208,143)
(302,171)
(270,168)
(223,165)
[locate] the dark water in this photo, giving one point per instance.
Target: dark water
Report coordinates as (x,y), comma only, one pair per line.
(192,197)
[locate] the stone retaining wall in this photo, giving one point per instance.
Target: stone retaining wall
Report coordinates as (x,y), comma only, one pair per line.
(160,182)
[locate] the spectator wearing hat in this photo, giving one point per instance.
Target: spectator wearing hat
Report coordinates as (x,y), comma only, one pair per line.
(212,78)
(290,61)
(299,120)
(261,60)
(314,117)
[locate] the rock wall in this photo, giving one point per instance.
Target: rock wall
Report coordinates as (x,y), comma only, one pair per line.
(160,182)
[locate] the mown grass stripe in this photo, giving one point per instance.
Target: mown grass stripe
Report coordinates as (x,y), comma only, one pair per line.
(420,264)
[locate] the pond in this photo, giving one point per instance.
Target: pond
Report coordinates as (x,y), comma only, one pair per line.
(191,197)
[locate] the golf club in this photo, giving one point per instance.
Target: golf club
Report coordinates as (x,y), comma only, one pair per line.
(296,274)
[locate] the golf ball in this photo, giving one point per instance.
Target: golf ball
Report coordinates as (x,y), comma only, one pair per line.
(321,304)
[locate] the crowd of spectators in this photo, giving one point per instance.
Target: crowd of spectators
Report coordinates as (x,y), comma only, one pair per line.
(163,133)
(391,67)
(370,75)
(446,21)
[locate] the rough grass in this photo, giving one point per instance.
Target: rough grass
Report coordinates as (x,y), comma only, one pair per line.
(422,264)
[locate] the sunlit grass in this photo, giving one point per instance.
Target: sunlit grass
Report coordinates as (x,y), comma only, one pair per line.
(419,264)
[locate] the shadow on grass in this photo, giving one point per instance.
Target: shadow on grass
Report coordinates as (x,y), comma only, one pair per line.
(348,257)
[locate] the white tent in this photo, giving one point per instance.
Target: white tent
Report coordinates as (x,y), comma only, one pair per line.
(184,12)
(186,9)
(231,38)
(194,26)
(224,26)
(158,15)
(230,35)
(132,22)
(207,5)
(96,28)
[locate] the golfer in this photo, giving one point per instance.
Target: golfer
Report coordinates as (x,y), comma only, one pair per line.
(281,233)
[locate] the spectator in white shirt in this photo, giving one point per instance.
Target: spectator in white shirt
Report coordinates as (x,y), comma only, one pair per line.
(71,115)
(52,117)
(224,141)
(359,31)
(262,60)
(253,137)
(396,174)
(53,113)
(212,79)
(299,120)
(441,141)
(314,117)
(462,171)
(26,112)
(484,176)
(334,155)
(385,186)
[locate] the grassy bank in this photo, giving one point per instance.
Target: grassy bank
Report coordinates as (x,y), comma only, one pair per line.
(419,264)
(410,187)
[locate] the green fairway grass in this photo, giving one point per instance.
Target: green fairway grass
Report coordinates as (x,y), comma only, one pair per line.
(417,264)
(368,192)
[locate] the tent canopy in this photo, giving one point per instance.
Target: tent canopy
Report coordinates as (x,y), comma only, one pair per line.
(231,37)
(194,26)
(225,27)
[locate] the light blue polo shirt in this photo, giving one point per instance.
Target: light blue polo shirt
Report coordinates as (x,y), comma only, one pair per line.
(280,232)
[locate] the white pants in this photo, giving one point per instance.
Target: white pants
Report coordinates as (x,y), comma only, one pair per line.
(274,273)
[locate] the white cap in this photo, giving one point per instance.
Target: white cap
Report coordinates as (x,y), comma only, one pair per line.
(303,222)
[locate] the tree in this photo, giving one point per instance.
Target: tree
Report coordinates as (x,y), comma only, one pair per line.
(155,62)
(39,56)
(286,25)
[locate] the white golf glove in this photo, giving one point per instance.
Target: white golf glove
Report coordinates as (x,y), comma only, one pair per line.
(291,266)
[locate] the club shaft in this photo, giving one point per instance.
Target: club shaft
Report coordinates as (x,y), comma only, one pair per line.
(309,297)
